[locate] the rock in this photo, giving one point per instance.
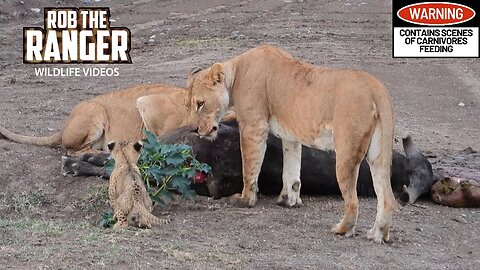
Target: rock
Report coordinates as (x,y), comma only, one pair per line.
(461,104)
(469,150)
(460,219)
(36,10)
(235,34)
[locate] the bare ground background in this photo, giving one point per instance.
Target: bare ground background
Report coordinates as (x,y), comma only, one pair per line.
(50,221)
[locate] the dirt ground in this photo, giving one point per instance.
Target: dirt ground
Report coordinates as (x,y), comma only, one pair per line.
(49,221)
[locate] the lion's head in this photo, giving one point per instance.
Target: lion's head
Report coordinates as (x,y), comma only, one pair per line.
(207,98)
(125,151)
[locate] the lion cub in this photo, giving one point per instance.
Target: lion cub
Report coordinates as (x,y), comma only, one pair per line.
(127,193)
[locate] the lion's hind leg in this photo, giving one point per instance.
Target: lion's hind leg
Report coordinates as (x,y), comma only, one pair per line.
(122,205)
(350,147)
(380,166)
(347,174)
(122,219)
(85,129)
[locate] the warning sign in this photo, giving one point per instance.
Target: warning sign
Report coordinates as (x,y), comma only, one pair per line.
(436,28)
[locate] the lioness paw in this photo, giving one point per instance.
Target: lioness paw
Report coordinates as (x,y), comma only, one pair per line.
(377,236)
(239,201)
(120,225)
(341,229)
(292,200)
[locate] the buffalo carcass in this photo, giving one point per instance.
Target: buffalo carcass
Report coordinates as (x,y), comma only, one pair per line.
(411,173)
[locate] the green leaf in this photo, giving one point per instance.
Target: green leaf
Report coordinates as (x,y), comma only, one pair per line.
(182,185)
(109,164)
(158,201)
(151,138)
(171,170)
(189,172)
(191,193)
(157,174)
(167,149)
(184,150)
(205,168)
(174,159)
(165,193)
(107,220)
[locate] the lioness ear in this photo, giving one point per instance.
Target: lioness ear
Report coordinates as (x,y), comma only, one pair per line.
(138,146)
(217,74)
(191,75)
(188,93)
(111,145)
(194,71)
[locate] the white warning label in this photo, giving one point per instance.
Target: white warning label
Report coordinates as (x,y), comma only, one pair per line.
(436,28)
(435,42)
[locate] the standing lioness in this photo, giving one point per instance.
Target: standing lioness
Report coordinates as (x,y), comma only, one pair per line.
(348,111)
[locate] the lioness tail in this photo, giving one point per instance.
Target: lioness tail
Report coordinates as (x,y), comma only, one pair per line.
(385,111)
(52,141)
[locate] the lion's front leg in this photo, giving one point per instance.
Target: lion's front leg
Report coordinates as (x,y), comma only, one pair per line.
(253,143)
(292,157)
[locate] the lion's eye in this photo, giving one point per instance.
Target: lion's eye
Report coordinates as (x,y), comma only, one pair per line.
(200,105)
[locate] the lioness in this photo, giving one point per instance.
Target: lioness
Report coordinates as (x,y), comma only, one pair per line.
(115,116)
(348,111)
(126,190)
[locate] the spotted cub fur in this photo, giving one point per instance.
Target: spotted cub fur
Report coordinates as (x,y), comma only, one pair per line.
(127,193)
